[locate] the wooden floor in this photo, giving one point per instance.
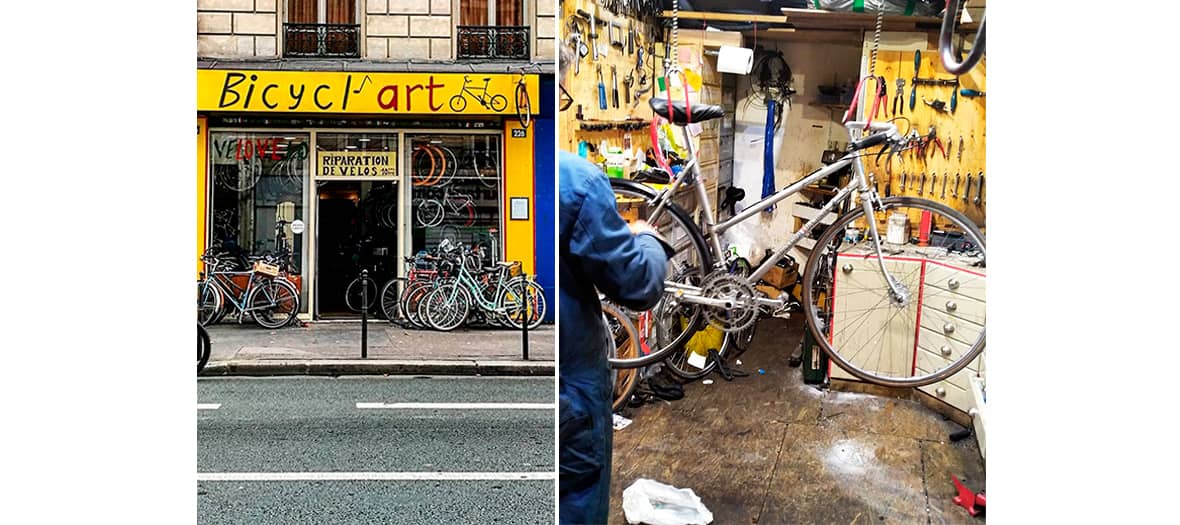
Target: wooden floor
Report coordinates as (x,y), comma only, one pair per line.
(770,449)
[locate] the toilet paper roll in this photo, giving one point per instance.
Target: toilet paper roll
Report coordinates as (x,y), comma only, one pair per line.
(737,60)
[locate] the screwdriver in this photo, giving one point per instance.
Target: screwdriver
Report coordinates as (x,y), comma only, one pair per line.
(917,67)
(967,92)
(601,90)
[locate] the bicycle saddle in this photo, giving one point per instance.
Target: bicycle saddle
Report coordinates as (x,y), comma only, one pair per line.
(700,112)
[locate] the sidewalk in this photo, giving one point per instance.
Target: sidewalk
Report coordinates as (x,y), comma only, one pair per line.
(334,348)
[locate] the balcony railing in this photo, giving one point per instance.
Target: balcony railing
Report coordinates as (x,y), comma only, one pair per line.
(494,42)
(322,40)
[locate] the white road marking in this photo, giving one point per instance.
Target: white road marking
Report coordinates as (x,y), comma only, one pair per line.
(374,476)
(208,406)
(459,406)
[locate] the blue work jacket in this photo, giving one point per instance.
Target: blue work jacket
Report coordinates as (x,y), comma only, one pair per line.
(598,253)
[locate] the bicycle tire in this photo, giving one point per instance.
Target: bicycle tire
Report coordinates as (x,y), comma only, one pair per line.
(279,293)
(209,303)
(677,362)
(487,182)
(416,176)
(444,309)
(498,103)
(204,348)
(678,229)
(828,245)
(390,296)
(411,298)
(352,297)
(446,177)
(508,301)
(429,213)
(625,338)
(525,116)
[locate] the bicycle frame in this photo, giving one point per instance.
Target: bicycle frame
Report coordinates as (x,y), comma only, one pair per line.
(713,230)
(470,91)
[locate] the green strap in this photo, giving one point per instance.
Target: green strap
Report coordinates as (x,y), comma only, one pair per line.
(817,4)
(858,6)
(909,7)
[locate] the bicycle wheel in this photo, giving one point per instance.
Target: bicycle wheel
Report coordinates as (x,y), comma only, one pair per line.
(499,103)
(429,213)
(446,307)
(510,302)
(450,165)
(209,302)
(524,110)
(489,181)
(625,345)
(458,103)
(673,322)
(352,295)
(203,348)
(411,298)
(274,303)
(390,295)
(927,332)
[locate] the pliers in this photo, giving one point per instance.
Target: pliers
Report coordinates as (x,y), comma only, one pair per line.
(932,136)
(882,94)
(898,97)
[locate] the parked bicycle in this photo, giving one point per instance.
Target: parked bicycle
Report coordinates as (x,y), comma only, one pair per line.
(204,348)
(267,296)
(881,302)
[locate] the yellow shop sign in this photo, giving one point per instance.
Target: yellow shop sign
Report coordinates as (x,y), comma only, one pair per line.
(369,93)
(356,164)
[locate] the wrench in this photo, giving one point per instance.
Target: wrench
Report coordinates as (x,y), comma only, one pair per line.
(945,176)
(967,189)
(955,190)
(933,181)
(979,190)
(904,178)
(922,184)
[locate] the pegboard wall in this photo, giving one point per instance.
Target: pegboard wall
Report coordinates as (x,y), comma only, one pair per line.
(966,124)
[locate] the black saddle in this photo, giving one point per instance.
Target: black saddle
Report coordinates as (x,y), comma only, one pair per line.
(700,112)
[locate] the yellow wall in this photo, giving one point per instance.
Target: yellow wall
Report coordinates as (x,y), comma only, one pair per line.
(202,176)
(518,182)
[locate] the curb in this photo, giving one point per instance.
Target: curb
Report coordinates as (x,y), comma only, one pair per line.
(340,367)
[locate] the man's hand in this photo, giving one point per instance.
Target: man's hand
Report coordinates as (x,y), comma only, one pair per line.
(638,227)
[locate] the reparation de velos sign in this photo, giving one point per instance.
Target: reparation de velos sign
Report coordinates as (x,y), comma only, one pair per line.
(356,164)
(369,93)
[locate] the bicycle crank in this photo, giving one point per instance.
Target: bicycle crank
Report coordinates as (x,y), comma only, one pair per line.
(731,303)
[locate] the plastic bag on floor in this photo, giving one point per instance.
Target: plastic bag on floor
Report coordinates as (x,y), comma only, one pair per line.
(655,503)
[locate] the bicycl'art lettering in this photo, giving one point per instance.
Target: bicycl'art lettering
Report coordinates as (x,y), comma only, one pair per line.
(370,93)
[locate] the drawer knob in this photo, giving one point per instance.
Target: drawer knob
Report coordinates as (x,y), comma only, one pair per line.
(847,268)
(948,328)
(953,284)
(946,350)
(940,391)
(951,306)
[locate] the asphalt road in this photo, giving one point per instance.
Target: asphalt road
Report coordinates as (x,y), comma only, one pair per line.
(300,450)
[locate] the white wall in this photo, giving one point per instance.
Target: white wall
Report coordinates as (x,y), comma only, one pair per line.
(805,133)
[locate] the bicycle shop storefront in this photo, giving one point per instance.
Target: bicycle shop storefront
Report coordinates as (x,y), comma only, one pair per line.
(355,171)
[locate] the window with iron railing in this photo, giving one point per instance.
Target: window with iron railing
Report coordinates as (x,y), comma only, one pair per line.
(321,28)
(492,29)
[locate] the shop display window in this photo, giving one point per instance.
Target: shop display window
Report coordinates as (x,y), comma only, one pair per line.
(256,194)
(456,185)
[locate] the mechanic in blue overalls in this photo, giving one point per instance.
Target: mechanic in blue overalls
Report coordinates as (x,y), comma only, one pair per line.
(599,252)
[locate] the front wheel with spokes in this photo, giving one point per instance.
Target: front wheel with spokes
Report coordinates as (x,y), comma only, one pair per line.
(274,303)
(914,316)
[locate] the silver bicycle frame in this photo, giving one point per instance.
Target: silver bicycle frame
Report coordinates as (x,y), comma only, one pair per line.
(713,230)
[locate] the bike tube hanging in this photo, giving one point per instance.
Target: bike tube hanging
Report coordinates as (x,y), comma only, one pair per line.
(768,154)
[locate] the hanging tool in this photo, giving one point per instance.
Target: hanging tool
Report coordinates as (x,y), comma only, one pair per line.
(882,94)
(945,176)
(933,183)
(960,148)
(614,87)
(922,184)
(615,33)
(979,189)
(967,189)
(971,93)
(630,37)
(938,105)
(899,97)
(627,82)
(601,89)
(954,98)
(955,190)
(593,31)
(904,178)
(932,138)
(914,89)
(578,43)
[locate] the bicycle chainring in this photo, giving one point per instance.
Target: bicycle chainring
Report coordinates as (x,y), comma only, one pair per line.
(740,311)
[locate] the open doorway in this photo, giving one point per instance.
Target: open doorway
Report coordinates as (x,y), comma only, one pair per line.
(357,227)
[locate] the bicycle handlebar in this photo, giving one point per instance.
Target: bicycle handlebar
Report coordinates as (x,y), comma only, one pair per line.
(946,49)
